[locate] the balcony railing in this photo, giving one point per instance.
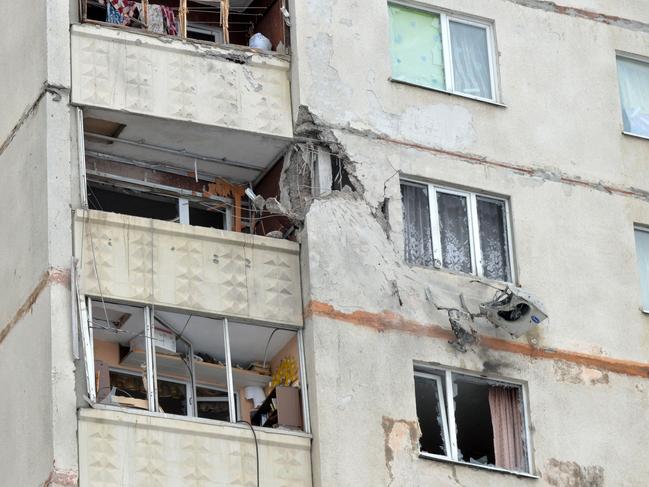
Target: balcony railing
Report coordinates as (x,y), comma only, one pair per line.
(204,270)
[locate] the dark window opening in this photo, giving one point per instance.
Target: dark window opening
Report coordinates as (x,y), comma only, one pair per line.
(172,397)
(430,416)
(127,202)
(212,404)
(475,436)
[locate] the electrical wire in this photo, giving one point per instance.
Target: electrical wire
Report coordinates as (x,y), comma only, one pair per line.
(256,446)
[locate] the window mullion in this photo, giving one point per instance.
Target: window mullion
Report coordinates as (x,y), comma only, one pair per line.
(447,53)
(434,226)
(149,348)
(474,225)
(228,366)
(450,405)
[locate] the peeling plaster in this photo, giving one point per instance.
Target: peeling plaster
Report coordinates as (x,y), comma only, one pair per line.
(570,474)
(582,13)
(62,478)
(576,374)
(401,436)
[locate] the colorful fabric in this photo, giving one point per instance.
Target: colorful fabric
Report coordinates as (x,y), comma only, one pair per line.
(170,26)
(156,20)
(113,16)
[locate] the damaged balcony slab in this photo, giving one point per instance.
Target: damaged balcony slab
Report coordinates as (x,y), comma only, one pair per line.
(175,266)
(120,448)
(168,78)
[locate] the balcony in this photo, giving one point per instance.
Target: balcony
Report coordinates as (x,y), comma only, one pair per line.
(188,268)
(118,448)
(209,86)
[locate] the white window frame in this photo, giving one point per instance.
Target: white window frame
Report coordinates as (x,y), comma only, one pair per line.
(447,405)
(474,224)
(445,17)
(630,57)
(86,325)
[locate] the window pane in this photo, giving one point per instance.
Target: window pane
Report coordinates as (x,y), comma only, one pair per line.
(493,239)
(470,59)
(454,232)
(416,225)
(642,255)
(416,47)
(430,416)
(475,436)
(634,86)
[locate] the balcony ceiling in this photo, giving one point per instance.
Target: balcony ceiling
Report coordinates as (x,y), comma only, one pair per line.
(256,151)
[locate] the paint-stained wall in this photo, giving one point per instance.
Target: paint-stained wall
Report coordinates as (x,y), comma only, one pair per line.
(576,187)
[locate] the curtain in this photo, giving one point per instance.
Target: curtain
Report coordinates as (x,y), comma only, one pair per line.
(493,239)
(416,225)
(470,59)
(507,422)
(454,232)
(634,86)
(642,256)
(416,47)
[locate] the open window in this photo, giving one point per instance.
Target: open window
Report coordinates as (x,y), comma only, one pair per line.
(219,21)
(187,365)
(472,419)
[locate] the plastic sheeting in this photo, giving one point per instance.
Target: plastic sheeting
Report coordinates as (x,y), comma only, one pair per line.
(416,47)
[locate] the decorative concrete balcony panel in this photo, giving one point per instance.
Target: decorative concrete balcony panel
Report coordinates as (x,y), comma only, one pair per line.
(196,269)
(169,78)
(119,449)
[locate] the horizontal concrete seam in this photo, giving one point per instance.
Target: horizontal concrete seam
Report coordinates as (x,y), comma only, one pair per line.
(389,321)
(582,13)
(47,88)
(50,276)
(540,173)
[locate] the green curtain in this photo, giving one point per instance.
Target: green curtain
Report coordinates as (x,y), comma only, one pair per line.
(416,47)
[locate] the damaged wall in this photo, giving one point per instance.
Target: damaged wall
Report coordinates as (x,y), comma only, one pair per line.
(576,189)
(36,366)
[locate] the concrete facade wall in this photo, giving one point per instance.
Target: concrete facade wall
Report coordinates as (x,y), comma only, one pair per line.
(36,366)
(576,188)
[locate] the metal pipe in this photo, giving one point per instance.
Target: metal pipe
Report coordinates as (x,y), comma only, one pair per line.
(179,152)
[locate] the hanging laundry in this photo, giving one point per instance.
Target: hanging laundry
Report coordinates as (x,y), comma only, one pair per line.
(169,20)
(156,21)
(113,16)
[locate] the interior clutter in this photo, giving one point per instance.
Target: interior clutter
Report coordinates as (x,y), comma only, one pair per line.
(190,364)
(259,24)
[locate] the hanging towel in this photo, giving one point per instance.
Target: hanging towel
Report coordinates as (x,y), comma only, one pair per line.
(169,20)
(156,21)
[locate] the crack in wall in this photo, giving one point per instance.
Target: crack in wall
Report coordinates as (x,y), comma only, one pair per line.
(50,276)
(582,13)
(56,90)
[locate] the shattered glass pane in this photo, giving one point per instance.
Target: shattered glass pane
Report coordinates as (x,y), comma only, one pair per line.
(493,239)
(429,414)
(454,232)
(416,227)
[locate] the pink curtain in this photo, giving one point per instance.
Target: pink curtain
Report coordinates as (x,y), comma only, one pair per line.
(507,422)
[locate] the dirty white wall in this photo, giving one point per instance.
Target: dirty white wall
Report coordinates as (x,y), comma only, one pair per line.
(36,368)
(553,149)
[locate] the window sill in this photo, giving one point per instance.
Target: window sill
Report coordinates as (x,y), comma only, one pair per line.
(429,456)
(472,277)
(191,419)
(637,136)
(451,93)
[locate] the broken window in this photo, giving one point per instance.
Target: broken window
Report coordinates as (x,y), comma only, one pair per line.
(472,419)
(642,257)
(187,365)
(469,232)
(261,24)
(633,76)
(442,51)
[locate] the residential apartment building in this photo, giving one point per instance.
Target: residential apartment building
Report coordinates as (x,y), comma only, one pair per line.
(392,243)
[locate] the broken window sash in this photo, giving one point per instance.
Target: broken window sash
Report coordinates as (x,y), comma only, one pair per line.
(85,320)
(487,419)
(494,238)
(454,232)
(417,228)
(642,258)
(633,77)
(429,398)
